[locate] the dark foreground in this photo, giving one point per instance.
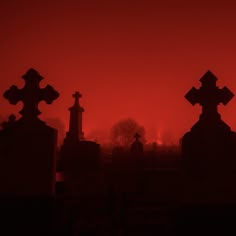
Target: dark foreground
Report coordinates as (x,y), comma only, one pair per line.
(57,216)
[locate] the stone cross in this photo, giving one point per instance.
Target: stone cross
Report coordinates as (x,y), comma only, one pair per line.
(137,136)
(209,95)
(31,94)
(77,96)
(75,126)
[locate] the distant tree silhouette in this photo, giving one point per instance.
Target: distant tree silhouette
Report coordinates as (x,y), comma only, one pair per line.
(122,132)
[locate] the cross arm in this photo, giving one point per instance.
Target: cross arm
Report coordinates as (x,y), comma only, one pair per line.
(13,95)
(48,94)
(193,96)
(225,95)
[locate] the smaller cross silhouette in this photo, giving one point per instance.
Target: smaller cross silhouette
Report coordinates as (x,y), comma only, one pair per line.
(77,96)
(76,107)
(75,126)
(209,95)
(31,94)
(137,136)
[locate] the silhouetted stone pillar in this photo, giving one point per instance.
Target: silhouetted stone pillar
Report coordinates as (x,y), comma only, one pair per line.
(80,158)
(83,177)
(27,153)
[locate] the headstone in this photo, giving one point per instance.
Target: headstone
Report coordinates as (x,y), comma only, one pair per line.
(28,145)
(27,154)
(209,148)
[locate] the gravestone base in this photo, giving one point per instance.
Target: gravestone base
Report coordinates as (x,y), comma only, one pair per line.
(28,159)
(206,219)
(28,215)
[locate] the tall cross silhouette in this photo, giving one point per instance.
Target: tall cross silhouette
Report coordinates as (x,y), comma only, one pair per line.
(75,126)
(209,96)
(31,94)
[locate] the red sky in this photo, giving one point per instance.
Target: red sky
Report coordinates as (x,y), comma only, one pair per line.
(128,58)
